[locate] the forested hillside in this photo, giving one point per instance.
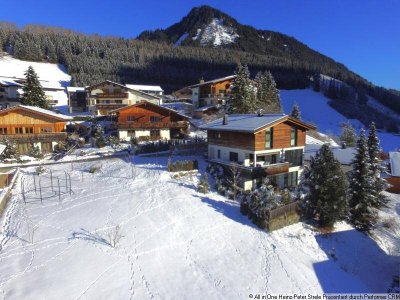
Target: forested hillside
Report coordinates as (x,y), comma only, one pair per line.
(91,58)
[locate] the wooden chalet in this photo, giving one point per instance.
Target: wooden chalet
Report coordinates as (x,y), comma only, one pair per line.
(31,126)
(149,121)
(260,146)
(107,96)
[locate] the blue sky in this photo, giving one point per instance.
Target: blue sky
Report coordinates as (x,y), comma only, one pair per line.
(363,35)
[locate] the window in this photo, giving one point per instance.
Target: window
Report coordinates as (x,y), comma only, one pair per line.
(295,157)
(293,136)
(268,138)
(155,133)
(233,156)
(3,130)
(29,130)
(290,179)
(45,129)
(154,119)
(130,118)
(19,130)
(131,133)
(219,153)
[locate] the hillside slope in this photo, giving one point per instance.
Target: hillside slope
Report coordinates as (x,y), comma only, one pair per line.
(315,109)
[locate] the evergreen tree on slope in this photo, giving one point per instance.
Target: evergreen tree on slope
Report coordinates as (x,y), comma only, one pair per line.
(296,111)
(361,190)
(267,93)
(243,95)
(33,91)
(328,188)
(379,183)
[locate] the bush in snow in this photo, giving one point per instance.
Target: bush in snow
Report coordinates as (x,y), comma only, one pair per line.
(94,168)
(113,141)
(10,152)
(203,186)
(35,152)
(40,170)
(114,235)
(182,165)
(98,134)
(327,199)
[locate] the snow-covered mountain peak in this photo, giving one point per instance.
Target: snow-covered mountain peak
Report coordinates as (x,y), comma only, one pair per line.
(216,34)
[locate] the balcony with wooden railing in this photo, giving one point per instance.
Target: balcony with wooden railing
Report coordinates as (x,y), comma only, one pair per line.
(150,125)
(32,137)
(119,95)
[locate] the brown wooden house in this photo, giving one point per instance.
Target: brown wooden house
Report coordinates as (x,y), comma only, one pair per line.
(149,121)
(31,126)
(260,145)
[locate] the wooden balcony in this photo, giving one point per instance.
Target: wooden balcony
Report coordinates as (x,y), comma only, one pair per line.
(275,169)
(149,125)
(111,96)
(36,137)
(110,106)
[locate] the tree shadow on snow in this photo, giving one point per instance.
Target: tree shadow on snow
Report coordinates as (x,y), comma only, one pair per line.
(356,264)
(89,236)
(228,208)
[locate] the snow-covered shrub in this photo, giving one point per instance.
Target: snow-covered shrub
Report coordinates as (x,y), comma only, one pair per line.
(203,186)
(182,165)
(98,134)
(114,235)
(113,141)
(11,150)
(40,170)
(34,151)
(94,168)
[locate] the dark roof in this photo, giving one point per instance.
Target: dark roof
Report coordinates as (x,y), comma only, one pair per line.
(252,122)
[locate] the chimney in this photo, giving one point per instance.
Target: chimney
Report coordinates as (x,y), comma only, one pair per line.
(201,80)
(225,120)
(260,112)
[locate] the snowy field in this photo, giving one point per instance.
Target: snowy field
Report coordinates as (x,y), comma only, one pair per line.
(176,244)
(314,108)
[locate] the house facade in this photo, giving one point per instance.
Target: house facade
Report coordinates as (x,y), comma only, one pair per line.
(108,96)
(148,121)
(76,99)
(259,147)
(31,126)
(11,90)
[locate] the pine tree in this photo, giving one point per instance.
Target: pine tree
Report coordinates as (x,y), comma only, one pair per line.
(98,135)
(33,91)
(348,135)
(243,95)
(267,93)
(376,168)
(316,82)
(296,111)
(327,199)
(361,190)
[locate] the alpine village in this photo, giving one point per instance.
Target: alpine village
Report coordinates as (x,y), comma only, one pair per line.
(207,160)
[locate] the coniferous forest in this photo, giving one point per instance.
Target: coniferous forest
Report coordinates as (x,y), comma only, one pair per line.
(92,58)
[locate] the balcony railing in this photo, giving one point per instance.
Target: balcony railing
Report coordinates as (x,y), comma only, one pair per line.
(121,95)
(46,136)
(110,105)
(149,125)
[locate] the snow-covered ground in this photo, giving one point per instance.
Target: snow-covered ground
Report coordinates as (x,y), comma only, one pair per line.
(176,244)
(315,109)
(13,67)
(52,75)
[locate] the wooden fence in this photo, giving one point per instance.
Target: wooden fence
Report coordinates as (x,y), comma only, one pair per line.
(395,185)
(283,216)
(5,194)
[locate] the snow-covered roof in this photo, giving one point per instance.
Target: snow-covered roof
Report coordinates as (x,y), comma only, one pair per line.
(214,81)
(51,85)
(39,110)
(6,81)
(395,163)
(205,108)
(243,122)
(75,89)
(153,88)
